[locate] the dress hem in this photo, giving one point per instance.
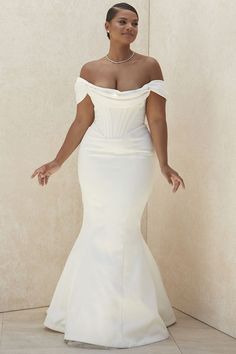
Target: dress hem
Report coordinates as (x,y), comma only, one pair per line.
(82,341)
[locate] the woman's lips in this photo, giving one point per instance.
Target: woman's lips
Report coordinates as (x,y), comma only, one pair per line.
(128,34)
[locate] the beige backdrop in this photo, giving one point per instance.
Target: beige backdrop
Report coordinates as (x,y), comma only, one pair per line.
(191,233)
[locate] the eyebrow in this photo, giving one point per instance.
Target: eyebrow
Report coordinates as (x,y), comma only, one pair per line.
(124,18)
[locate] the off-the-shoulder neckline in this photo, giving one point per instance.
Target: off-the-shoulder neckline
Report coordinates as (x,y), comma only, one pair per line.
(112,89)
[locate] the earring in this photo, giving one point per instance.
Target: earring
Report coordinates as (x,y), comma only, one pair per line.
(107,31)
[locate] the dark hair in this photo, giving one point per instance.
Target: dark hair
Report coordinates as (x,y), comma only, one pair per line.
(111,13)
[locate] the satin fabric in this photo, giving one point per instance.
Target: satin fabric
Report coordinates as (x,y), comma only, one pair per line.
(110,292)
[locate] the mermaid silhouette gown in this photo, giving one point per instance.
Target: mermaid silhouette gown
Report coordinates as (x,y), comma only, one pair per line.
(110,292)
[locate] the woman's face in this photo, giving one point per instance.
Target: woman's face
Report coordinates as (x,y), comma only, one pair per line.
(123,27)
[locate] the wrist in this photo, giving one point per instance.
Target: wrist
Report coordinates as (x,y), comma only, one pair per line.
(58,161)
(163,165)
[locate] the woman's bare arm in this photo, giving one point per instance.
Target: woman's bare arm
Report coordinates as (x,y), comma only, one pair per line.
(156,116)
(84,118)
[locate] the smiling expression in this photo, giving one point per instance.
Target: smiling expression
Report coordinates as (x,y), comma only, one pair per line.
(123,27)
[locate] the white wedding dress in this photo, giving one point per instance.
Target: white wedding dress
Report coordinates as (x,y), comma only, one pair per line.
(110,292)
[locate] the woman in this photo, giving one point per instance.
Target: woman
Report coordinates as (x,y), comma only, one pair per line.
(110,292)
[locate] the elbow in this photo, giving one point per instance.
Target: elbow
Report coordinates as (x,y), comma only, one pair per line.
(157,120)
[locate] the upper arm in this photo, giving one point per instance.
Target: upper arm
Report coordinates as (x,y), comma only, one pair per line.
(85,108)
(155,104)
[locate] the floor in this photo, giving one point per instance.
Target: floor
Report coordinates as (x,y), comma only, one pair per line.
(22,332)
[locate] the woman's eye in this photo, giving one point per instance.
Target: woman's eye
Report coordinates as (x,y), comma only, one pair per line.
(123,22)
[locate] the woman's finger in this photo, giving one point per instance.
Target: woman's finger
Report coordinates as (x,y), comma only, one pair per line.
(41,178)
(180,180)
(176,185)
(35,173)
(38,170)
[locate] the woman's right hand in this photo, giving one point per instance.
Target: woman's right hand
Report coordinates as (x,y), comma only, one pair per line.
(45,171)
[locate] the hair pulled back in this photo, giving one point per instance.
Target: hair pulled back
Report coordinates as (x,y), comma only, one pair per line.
(111,13)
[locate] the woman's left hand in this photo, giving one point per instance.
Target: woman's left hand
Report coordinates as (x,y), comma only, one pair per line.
(172,177)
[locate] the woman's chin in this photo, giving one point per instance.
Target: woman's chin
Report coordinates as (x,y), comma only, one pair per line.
(128,39)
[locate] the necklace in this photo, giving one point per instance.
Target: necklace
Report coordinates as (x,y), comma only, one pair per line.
(121,61)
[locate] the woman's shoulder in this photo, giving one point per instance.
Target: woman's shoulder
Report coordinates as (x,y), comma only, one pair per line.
(88,68)
(152,66)
(147,63)
(155,69)
(147,59)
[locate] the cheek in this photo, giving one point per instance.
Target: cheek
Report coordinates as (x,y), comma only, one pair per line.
(118,27)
